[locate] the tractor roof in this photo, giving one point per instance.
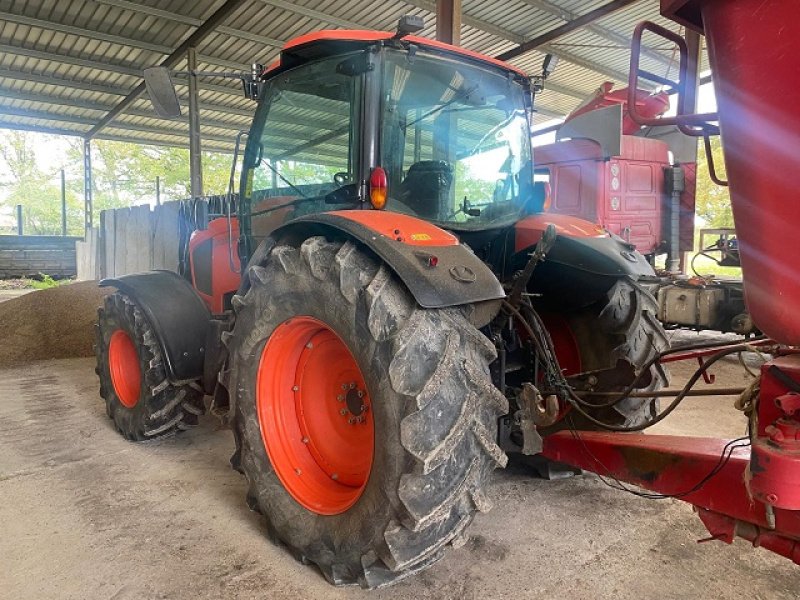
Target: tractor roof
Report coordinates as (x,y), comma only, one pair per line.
(336,41)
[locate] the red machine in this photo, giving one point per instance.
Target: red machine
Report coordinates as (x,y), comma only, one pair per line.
(613,173)
(752,494)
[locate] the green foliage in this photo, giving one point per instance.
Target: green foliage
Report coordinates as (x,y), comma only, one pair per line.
(124,174)
(23,181)
(713,201)
(44,283)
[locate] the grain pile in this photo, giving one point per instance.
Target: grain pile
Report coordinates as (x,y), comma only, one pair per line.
(52,323)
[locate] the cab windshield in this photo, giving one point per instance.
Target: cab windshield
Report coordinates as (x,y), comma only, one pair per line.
(455,142)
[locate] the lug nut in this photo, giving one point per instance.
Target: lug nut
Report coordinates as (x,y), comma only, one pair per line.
(343,412)
(360,394)
(295,388)
(351,420)
(344,386)
(340,398)
(298,471)
(309,345)
(305,440)
(352,386)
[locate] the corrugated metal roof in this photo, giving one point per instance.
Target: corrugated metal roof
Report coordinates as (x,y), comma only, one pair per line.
(65,63)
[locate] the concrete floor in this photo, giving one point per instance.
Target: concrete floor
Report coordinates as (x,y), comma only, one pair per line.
(10,294)
(84,515)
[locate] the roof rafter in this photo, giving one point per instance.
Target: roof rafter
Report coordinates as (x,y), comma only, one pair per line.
(47,116)
(519,40)
(568,27)
(99,106)
(176,56)
(193,22)
(106,37)
(604,32)
(100,88)
(107,136)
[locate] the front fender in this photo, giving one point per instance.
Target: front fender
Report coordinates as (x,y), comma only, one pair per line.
(178,316)
(583,264)
(437,269)
(582,245)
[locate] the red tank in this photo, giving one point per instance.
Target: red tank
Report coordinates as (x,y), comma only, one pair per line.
(752,47)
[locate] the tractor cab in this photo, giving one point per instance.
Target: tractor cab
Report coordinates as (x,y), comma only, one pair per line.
(355,119)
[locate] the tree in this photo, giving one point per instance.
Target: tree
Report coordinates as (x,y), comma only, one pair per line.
(25,182)
(123,174)
(713,203)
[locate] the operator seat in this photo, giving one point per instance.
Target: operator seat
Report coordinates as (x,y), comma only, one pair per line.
(426,188)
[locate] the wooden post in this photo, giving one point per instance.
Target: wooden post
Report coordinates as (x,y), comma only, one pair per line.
(448,21)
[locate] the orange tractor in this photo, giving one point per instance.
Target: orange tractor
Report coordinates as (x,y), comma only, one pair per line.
(388,315)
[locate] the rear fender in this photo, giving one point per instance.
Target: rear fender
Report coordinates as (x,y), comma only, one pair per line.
(177,314)
(437,269)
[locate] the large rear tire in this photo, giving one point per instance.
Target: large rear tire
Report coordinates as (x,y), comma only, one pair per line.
(139,398)
(432,413)
(622,333)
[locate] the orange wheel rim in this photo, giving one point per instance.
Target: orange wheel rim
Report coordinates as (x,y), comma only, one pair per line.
(315,416)
(123,362)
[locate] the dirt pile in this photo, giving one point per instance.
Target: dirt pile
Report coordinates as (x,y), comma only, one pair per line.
(52,323)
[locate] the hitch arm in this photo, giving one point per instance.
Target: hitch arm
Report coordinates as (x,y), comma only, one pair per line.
(674,466)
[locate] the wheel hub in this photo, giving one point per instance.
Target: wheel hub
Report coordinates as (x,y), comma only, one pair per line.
(123,365)
(313,409)
(356,401)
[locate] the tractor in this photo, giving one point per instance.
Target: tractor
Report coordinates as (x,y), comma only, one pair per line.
(383,313)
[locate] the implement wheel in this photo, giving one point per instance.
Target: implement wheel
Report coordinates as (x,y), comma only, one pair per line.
(365,424)
(133,381)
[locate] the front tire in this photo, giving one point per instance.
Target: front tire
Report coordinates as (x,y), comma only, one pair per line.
(619,334)
(139,398)
(432,413)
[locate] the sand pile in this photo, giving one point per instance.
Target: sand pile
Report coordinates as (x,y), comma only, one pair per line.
(54,323)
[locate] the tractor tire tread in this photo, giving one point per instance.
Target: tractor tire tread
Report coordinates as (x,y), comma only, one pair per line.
(162,407)
(439,367)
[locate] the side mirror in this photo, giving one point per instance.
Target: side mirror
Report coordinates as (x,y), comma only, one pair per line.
(549,65)
(162,92)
